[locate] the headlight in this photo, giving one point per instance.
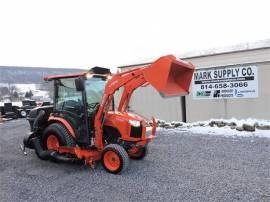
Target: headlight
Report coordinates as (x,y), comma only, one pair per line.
(134,123)
(88,76)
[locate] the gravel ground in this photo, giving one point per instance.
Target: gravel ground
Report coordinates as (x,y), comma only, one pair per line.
(179,167)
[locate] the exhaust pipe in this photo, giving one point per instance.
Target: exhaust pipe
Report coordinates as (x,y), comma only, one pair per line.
(51,154)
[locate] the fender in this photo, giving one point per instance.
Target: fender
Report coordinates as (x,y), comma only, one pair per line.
(65,123)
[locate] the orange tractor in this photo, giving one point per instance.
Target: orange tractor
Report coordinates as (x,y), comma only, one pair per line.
(83,125)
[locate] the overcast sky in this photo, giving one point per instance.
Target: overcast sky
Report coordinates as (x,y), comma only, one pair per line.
(83,34)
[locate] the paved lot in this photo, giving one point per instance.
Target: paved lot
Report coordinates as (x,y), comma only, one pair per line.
(179,166)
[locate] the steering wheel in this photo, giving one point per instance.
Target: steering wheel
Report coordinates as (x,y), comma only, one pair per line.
(93,106)
(70,104)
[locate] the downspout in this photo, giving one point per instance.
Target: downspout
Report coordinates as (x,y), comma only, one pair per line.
(183,108)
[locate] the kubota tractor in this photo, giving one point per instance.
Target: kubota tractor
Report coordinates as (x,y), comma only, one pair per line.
(83,125)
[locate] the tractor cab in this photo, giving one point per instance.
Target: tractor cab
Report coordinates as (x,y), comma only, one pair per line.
(76,100)
(71,101)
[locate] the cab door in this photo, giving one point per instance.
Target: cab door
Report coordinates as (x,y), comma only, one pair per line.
(70,106)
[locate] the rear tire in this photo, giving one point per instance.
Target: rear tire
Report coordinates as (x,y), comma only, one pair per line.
(56,135)
(114,158)
(140,154)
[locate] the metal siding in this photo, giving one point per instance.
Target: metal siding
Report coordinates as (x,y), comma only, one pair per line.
(236,108)
(147,102)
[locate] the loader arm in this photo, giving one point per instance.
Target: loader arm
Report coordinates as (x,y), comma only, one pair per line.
(169,76)
(129,89)
(116,82)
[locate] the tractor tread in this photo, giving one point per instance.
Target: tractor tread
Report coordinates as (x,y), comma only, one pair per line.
(122,154)
(66,138)
(142,153)
(69,139)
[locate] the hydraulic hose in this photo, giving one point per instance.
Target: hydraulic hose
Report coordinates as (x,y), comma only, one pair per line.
(51,154)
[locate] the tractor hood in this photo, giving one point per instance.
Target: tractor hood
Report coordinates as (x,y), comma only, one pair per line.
(122,117)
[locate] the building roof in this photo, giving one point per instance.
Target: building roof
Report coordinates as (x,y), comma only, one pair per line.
(262,44)
(228,49)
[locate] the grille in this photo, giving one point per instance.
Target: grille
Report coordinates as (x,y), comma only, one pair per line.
(136,131)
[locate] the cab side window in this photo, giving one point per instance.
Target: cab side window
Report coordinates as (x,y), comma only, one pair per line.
(67,97)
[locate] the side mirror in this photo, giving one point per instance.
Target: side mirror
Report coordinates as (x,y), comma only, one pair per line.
(79,83)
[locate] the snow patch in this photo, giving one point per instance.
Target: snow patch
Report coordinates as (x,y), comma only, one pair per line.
(226,129)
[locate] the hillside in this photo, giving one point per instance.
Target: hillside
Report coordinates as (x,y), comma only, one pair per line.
(30,75)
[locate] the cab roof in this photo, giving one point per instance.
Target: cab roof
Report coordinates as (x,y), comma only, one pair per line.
(94,70)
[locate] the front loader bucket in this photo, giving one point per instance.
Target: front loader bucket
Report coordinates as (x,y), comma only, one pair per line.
(170,76)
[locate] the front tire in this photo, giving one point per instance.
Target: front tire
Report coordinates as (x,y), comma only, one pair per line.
(114,158)
(140,154)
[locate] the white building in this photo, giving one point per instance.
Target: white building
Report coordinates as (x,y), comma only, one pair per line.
(230,82)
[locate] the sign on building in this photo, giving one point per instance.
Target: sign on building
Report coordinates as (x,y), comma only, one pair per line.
(225,83)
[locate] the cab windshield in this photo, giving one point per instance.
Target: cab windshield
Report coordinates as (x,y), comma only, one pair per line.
(69,99)
(94,89)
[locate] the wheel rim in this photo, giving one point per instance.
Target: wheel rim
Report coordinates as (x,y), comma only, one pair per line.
(23,113)
(111,160)
(52,142)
